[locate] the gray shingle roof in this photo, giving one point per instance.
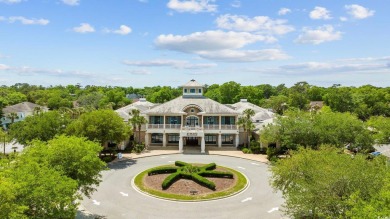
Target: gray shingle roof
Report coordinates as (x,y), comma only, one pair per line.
(23,107)
(261,114)
(141,105)
(177,105)
(192,83)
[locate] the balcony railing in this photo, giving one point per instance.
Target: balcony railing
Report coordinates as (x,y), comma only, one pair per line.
(228,127)
(192,128)
(172,126)
(210,127)
(155,126)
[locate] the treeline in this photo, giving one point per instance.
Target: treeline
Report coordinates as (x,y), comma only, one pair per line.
(364,101)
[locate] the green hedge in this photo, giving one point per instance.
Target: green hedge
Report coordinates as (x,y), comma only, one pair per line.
(203,181)
(162,170)
(181,163)
(216,174)
(210,166)
(170,180)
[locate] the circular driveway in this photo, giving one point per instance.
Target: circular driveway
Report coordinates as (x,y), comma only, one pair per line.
(116,198)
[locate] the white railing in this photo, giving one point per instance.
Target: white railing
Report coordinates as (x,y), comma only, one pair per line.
(228,127)
(155,126)
(192,128)
(211,127)
(172,126)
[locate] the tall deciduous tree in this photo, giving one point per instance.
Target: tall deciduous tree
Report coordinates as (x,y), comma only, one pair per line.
(101,126)
(322,183)
(73,156)
(43,126)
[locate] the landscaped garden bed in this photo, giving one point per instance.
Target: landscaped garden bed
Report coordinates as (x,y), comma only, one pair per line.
(190,182)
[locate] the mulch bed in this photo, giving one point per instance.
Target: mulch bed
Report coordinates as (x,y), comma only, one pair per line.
(184,186)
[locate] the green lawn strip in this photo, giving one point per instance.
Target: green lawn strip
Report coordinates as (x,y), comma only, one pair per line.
(240,185)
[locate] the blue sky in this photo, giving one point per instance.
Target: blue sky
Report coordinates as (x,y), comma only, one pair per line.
(169,42)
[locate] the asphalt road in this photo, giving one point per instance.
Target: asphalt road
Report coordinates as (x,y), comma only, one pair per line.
(116,198)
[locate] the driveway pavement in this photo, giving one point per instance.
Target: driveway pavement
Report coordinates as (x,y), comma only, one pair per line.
(115,197)
(384,149)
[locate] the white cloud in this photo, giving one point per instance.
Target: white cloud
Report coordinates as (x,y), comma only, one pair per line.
(123,30)
(343,19)
(71,2)
(84,28)
(236,4)
(262,24)
(10,1)
(30,71)
(27,21)
(140,72)
(192,6)
(320,13)
(245,55)
(3,67)
(209,41)
(284,11)
(320,35)
(177,64)
(359,12)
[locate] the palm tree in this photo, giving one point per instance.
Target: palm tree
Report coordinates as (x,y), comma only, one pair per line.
(137,121)
(12,116)
(246,123)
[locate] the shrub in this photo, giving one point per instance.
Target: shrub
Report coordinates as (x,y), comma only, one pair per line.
(210,166)
(138,148)
(203,181)
(216,174)
(162,170)
(246,151)
(255,147)
(180,163)
(272,153)
(170,180)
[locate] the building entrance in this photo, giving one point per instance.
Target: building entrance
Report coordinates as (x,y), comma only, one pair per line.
(192,141)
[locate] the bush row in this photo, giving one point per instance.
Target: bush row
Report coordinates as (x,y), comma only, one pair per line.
(181,163)
(203,181)
(210,166)
(216,174)
(162,170)
(170,180)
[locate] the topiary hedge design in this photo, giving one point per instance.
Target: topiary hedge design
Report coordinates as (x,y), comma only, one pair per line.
(188,171)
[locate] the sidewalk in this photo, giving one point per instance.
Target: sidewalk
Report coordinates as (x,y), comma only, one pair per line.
(231,153)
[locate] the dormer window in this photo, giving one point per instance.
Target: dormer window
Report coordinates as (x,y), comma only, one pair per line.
(192,89)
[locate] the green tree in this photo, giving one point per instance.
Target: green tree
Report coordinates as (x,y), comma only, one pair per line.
(37,191)
(230,92)
(73,156)
(246,123)
(101,126)
(381,128)
(137,120)
(321,183)
(12,116)
(42,126)
(278,104)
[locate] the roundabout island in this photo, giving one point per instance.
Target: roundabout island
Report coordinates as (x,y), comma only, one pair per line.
(117,198)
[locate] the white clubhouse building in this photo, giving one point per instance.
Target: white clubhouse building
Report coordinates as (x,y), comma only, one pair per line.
(193,120)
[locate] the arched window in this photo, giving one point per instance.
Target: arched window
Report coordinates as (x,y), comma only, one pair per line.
(192,121)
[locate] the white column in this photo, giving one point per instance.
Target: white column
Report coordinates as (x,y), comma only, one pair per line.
(146,139)
(220,122)
(219,140)
(164,140)
(203,146)
(181,144)
(237,140)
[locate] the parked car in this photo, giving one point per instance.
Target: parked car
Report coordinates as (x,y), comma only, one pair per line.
(375,153)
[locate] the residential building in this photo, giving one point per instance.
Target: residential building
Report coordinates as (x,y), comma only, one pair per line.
(19,112)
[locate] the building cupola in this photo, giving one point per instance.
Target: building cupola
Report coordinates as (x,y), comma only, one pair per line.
(192,89)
